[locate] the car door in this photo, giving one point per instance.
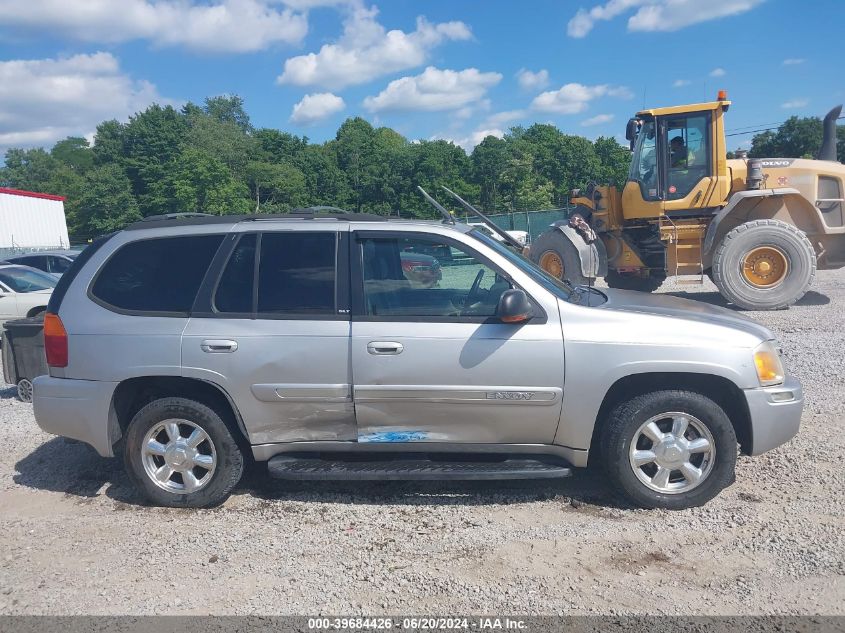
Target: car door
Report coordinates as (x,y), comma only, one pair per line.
(272,329)
(430,361)
(8,304)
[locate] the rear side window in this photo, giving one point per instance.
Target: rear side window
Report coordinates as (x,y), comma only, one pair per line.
(234,291)
(296,276)
(160,275)
(296,273)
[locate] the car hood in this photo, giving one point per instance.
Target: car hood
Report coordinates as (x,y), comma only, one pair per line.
(684,309)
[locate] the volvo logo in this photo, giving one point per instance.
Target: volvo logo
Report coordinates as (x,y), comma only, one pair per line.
(510,395)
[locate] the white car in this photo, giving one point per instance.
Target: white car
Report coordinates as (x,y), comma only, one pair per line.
(24,291)
(519,236)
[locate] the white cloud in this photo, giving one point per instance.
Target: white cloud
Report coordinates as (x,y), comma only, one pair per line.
(469,142)
(44,100)
(657,15)
(499,119)
(231,26)
(597,120)
(366,51)
(574,97)
(793,61)
(316,107)
(434,89)
(680,83)
(529,80)
(718,72)
(795,104)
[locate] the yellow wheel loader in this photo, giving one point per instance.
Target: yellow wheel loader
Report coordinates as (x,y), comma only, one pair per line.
(759,228)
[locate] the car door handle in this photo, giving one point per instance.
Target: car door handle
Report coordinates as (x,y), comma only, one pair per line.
(384,348)
(219,346)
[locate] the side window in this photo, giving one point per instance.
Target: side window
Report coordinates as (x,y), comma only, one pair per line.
(58,264)
(234,291)
(689,154)
(156,275)
(644,161)
(830,201)
(425,277)
(296,273)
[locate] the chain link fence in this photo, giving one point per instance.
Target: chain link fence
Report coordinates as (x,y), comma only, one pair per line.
(533,222)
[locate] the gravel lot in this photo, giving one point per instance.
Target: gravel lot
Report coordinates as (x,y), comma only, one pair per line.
(76,539)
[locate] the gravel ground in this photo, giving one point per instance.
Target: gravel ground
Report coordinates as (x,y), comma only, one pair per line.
(77,539)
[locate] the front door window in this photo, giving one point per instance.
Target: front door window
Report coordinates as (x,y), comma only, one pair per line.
(427,277)
(644,162)
(689,153)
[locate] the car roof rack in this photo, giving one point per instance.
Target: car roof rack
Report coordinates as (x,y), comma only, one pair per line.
(174,216)
(199,219)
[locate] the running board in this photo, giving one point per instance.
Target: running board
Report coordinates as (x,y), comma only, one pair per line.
(316,469)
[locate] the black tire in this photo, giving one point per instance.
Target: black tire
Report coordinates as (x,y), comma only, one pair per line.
(792,244)
(624,423)
(229,459)
(553,241)
(624,281)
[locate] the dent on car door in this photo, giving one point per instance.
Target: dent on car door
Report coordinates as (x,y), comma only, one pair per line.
(278,341)
(431,363)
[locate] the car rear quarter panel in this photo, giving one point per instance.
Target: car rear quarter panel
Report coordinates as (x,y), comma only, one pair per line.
(106,345)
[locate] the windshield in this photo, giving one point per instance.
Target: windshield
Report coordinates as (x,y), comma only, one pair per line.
(22,279)
(644,161)
(555,286)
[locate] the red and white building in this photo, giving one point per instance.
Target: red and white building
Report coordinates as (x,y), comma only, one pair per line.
(31,221)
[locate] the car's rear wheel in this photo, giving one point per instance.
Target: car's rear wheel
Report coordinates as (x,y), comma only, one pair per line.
(669,449)
(180,453)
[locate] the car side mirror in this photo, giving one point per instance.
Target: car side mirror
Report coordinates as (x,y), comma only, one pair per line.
(514,307)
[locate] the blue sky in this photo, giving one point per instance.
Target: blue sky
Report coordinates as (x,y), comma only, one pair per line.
(455,69)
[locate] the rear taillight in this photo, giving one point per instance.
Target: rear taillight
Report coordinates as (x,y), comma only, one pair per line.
(55,340)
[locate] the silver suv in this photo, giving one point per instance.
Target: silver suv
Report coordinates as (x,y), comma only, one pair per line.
(355,347)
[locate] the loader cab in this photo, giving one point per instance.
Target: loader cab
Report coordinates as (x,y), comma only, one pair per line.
(678,160)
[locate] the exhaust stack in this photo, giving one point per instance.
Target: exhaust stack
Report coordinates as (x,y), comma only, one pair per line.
(828,148)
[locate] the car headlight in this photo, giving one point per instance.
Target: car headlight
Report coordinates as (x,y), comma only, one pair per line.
(768,365)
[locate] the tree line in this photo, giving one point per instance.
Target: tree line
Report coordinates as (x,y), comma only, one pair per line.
(210,158)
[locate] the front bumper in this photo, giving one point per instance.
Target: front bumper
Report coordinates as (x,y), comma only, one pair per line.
(775,414)
(78,409)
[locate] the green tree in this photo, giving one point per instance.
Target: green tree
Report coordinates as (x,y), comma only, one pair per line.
(75,153)
(152,139)
(200,183)
(106,202)
(489,161)
(275,187)
(30,169)
(797,137)
(615,161)
(228,109)
(108,143)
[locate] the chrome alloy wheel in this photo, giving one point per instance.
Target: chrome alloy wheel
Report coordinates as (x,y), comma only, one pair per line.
(672,452)
(178,456)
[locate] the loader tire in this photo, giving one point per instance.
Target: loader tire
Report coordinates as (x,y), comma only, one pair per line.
(764,265)
(624,281)
(555,254)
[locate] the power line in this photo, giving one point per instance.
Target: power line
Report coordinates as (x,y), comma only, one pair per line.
(764,129)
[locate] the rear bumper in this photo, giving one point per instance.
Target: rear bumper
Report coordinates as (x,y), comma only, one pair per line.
(78,409)
(775,414)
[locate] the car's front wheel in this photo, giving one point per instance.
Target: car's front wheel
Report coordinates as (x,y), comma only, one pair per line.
(180,453)
(669,449)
